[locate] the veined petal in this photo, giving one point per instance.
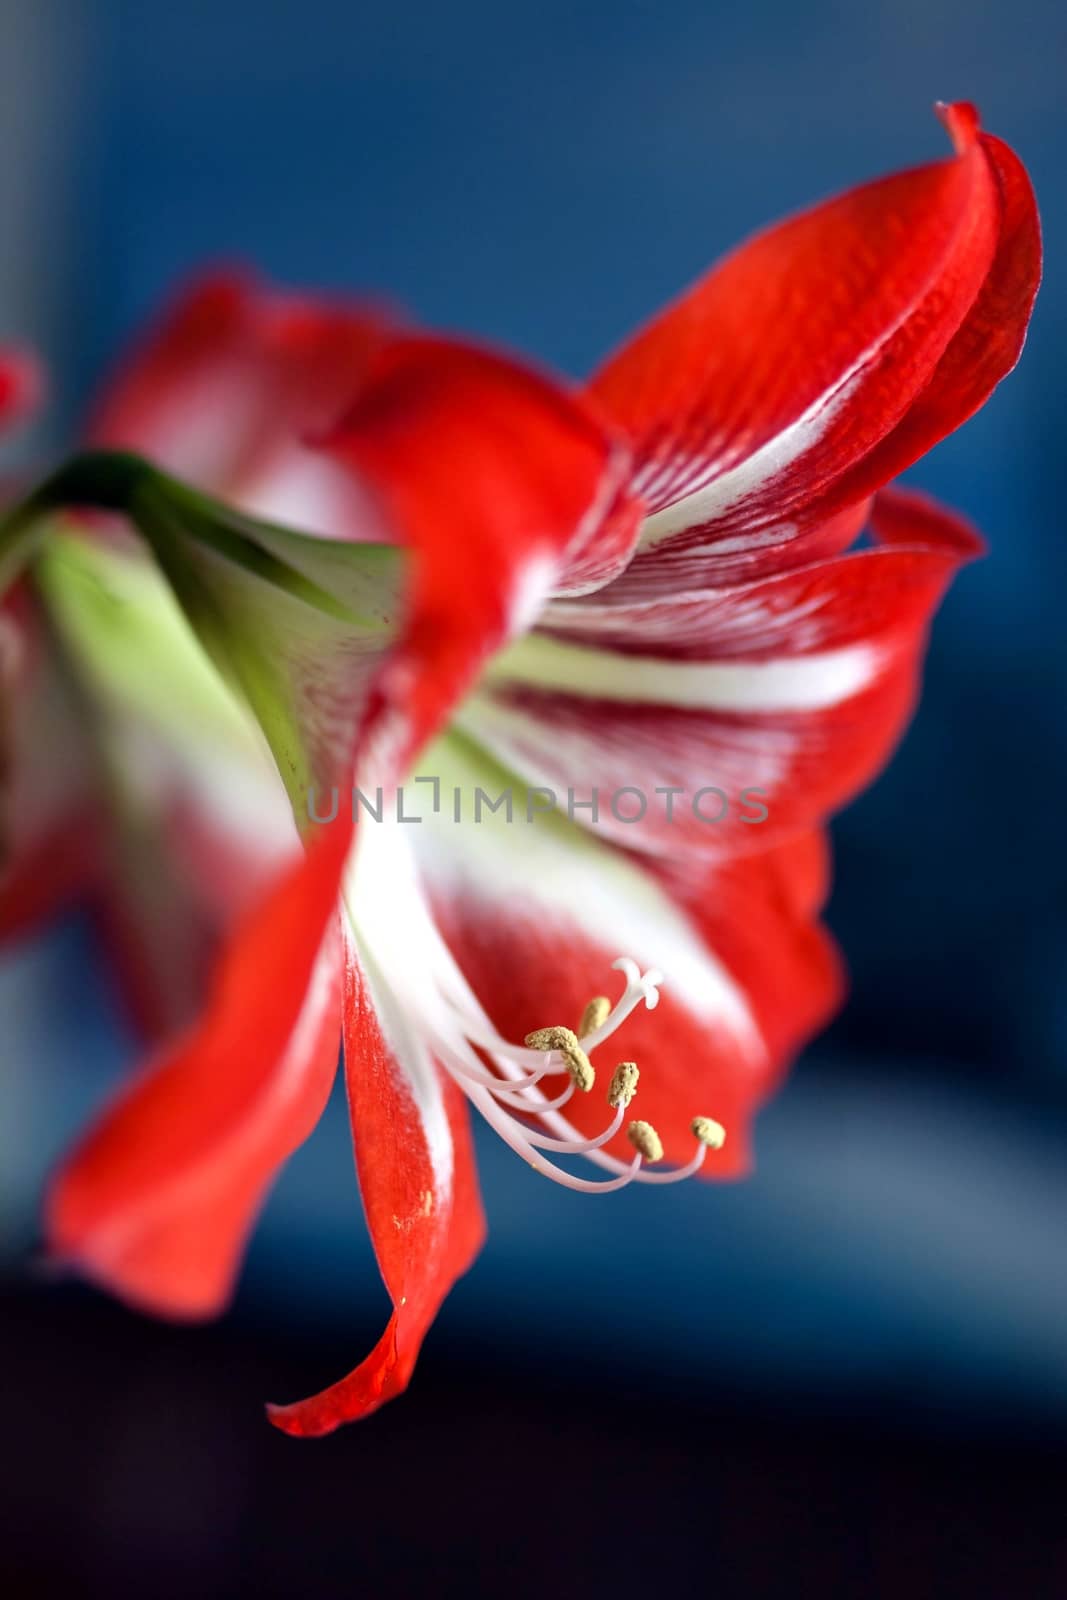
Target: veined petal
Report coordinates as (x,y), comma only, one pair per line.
(157,1202)
(988,342)
(761,404)
(411,1132)
(797,613)
(736,715)
(226,388)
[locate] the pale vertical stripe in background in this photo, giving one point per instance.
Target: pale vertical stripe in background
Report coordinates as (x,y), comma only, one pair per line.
(42,48)
(40,55)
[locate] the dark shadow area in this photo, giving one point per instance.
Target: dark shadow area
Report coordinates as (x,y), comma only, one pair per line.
(149,1470)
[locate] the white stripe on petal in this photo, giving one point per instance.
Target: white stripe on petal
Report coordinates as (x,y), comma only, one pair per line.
(793,683)
(553,873)
(398,949)
(726,489)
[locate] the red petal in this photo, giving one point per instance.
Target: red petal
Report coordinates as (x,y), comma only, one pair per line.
(157,1202)
(824,355)
(757,914)
(797,686)
(420,1193)
(226,387)
(500,480)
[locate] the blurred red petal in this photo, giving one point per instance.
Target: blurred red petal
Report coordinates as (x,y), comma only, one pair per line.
(226,387)
(156,1203)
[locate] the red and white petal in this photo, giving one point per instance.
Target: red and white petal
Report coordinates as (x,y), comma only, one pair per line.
(227,387)
(779,699)
(989,341)
(753,401)
(535,913)
(492,474)
(415,1161)
(758,553)
(605,541)
(157,1202)
(821,606)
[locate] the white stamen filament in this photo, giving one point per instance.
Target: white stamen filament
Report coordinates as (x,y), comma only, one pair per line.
(518,1103)
(435,1016)
(576,1147)
(518,1094)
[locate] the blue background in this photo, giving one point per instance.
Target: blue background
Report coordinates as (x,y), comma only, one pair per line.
(546,176)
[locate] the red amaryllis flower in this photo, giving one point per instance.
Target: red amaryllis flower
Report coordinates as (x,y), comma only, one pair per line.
(644,588)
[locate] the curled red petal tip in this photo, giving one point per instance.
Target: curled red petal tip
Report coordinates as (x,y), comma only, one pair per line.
(962,121)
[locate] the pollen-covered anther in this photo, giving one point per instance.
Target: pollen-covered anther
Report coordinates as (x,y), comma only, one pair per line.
(709,1132)
(623,1084)
(565,1042)
(645,1140)
(595,1015)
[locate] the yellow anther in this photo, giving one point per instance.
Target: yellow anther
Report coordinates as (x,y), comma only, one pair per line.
(643,1137)
(575,1059)
(713,1134)
(595,1014)
(550,1038)
(623,1084)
